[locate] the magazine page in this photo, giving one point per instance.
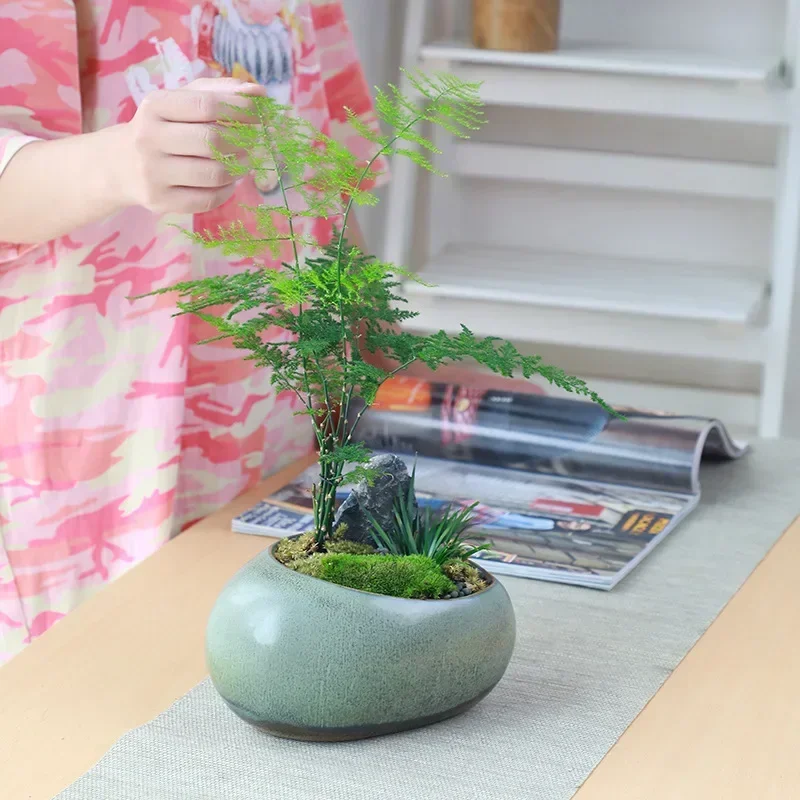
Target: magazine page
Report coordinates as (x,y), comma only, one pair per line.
(556,529)
(542,434)
(538,526)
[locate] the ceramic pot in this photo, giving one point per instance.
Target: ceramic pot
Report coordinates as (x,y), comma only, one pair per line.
(306,659)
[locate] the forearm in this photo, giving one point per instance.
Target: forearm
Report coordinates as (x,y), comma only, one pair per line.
(51,188)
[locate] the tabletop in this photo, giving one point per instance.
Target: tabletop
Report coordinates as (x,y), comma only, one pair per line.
(725,724)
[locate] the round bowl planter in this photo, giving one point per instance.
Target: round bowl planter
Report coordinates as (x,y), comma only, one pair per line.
(306,659)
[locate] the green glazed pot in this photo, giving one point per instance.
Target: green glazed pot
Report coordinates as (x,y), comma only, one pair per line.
(306,659)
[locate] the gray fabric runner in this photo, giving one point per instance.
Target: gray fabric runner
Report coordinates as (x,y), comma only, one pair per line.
(586,663)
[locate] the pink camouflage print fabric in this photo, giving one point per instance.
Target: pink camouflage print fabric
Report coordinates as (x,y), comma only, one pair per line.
(116,428)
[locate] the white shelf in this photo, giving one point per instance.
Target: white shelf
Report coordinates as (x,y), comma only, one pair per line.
(529,278)
(610,60)
(614,170)
(622,81)
(731,318)
(589,302)
(591,330)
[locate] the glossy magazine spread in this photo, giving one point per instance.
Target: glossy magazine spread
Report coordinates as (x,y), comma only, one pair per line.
(567,492)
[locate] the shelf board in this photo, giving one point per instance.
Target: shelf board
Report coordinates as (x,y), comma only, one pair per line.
(564,280)
(611,60)
(614,170)
(590,301)
(619,80)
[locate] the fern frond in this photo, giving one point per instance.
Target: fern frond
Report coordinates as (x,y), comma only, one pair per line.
(419,158)
(364,130)
(310,321)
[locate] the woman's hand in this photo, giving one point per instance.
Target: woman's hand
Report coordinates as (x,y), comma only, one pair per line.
(162,159)
(169,144)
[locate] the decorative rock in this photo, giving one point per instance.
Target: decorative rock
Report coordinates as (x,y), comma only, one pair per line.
(453,595)
(392,479)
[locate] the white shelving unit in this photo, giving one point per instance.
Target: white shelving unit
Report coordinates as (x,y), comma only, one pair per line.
(610,60)
(726,299)
(535,279)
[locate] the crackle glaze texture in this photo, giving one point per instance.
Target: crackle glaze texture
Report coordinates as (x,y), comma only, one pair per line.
(306,659)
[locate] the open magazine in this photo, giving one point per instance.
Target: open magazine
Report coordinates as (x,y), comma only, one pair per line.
(566,491)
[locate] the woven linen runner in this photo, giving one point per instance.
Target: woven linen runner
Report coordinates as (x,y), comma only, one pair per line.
(586,663)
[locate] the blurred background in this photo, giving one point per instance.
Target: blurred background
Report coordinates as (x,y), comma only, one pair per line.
(630,211)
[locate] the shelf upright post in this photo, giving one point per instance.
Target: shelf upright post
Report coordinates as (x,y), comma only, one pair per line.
(403,186)
(779,413)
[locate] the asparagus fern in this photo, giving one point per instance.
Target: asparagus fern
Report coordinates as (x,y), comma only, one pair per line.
(336,303)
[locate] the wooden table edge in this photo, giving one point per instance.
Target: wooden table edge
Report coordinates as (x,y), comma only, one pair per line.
(684,717)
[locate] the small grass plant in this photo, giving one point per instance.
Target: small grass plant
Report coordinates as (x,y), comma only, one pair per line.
(438,535)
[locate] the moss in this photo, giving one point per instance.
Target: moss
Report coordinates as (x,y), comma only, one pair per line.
(464,572)
(299,549)
(348,547)
(338,544)
(288,550)
(307,566)
(397,576)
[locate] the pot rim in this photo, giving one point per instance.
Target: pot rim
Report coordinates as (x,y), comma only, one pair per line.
(490,579)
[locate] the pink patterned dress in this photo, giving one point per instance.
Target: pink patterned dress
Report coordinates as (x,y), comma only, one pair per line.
(116,428)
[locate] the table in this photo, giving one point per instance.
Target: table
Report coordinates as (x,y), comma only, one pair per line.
(725,724)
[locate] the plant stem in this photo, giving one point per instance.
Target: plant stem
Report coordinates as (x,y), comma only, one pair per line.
(285,197)
(345,404)
(389,375)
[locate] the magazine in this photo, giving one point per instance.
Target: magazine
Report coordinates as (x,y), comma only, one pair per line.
(566,492)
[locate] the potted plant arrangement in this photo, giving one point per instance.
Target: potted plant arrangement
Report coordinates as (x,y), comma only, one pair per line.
(375,621)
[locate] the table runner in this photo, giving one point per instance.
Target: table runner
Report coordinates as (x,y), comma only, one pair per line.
(586,663)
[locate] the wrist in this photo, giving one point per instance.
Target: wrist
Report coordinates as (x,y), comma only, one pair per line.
(115,182)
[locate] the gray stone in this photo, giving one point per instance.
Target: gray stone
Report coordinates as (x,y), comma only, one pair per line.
(392,479)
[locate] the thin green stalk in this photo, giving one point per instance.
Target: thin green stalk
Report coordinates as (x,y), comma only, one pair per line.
(285,197)
(389,375)
(349,206)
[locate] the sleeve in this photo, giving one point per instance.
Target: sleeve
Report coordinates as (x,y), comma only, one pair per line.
(10,143)
(344,83)
(39,81)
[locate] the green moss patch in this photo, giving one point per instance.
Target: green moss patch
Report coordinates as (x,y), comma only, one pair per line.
(413,577)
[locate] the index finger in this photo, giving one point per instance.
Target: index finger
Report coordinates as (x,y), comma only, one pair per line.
(193,105)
